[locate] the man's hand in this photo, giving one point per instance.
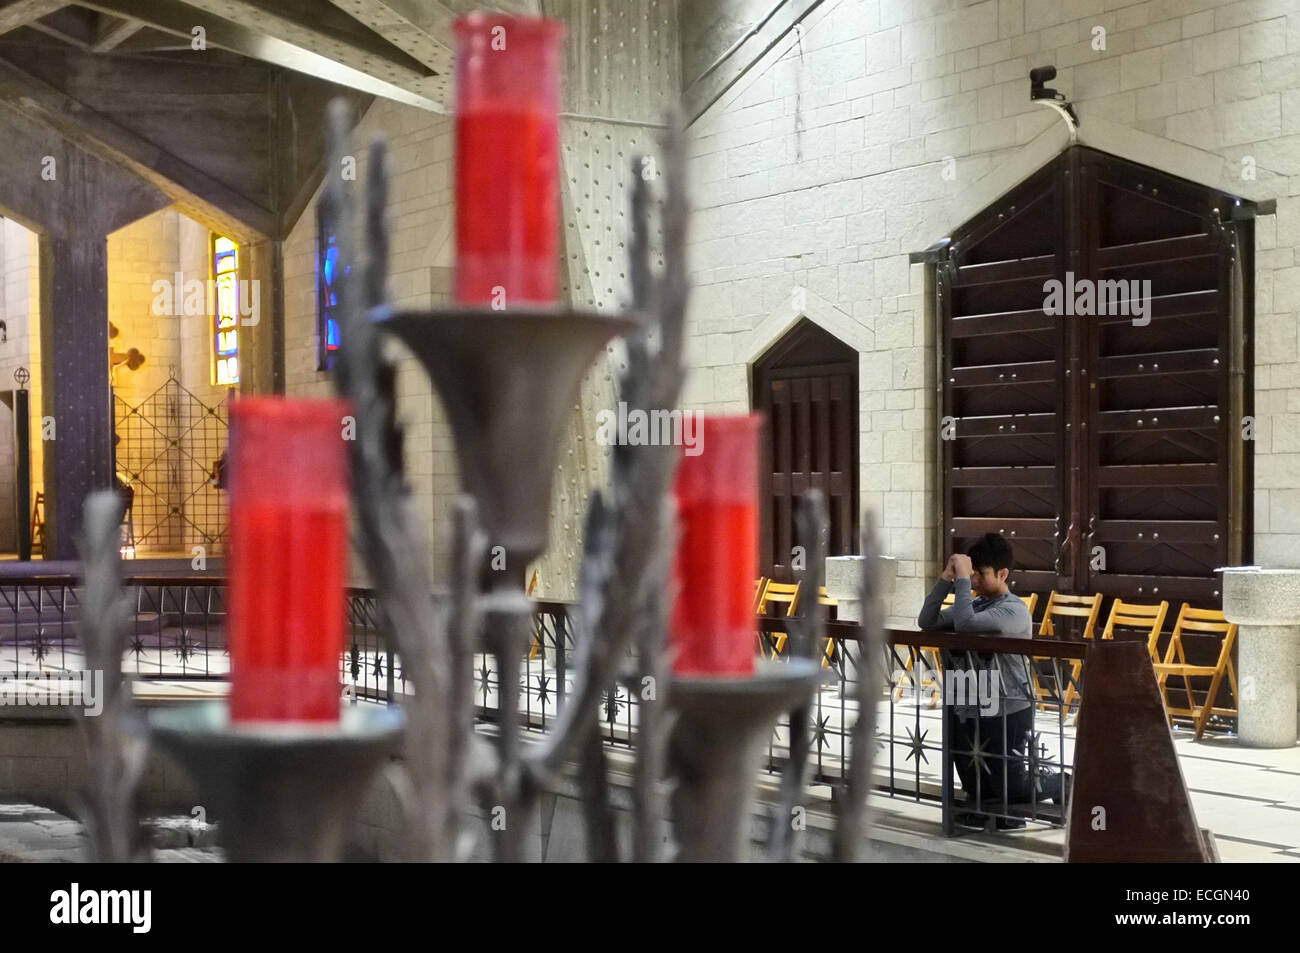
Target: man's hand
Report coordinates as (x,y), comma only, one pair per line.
(949,573)
(961,566)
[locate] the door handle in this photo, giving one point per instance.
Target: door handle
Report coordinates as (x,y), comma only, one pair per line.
(1065,543)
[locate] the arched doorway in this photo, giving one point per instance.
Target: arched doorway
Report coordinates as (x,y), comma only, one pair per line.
(806,386)
(1105,441)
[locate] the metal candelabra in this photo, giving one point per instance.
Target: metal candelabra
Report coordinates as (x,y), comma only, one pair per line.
(507,380)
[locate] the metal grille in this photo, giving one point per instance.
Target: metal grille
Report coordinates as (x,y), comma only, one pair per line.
(167,450)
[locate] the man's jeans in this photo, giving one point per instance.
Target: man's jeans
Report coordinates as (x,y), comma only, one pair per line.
(962,744)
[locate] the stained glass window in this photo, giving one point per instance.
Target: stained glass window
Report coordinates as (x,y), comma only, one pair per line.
(327,327)
(225,273)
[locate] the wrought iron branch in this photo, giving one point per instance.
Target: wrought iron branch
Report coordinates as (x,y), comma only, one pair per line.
(464,616)
(115,755)
(629,529)
(391,538)
(807,634)
(851,810)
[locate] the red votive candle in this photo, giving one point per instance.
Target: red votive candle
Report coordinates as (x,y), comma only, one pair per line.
(507,159)
(713,619)
(288,557)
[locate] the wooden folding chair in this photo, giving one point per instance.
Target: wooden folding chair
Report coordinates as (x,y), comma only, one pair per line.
(1031,601)
(779,593)
(38,523)
(1126,615)
(1059,606)
(537,635)
(828,650)
(1175,663)
(929,657)
(1132,615)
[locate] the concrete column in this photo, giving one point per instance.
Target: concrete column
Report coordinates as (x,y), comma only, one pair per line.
(261,344)
(1265,604)
(74,367)
(843,578)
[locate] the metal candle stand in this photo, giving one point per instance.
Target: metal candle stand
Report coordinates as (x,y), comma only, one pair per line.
(716,747)
(508,380)
(282,792)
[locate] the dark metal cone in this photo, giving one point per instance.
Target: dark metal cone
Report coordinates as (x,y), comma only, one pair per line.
(716,751)
(283,792)
(508,380)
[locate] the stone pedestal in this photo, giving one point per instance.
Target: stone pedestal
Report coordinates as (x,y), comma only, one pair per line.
(844,576)
(1265,604)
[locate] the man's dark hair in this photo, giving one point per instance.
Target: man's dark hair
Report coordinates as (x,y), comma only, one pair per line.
(991,551)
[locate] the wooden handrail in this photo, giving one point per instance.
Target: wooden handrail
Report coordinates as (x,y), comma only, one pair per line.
(952,641)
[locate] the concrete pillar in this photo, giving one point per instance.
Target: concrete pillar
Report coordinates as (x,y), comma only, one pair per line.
(78,408)
(843,582)
(1265,604)
(261,344)
(844,577)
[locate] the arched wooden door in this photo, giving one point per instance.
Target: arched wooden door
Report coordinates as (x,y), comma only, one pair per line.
(806,386)
(1106,444)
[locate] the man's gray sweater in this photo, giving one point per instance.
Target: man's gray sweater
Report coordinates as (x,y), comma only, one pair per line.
(1006,616)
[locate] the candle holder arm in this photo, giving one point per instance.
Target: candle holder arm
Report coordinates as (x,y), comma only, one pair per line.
(391,541)
(626,556)
(115,754)
(806,637)
(851,809)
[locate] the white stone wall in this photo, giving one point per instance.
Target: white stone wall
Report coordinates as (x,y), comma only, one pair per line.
(421,246)
(138,255)
(621,60)
(21,314)
(824,167)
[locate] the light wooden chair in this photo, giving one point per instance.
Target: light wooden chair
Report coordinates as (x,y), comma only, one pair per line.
(1132,615)
(1061,606)
(1175,664)
(759,584)
(1126,615)
(537,635)
(776,594)
(828,650)
(38,523)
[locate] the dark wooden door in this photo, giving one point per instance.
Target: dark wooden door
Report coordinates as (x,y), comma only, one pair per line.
(807,389)
(1158,502)
(1105,446)
(1003,432)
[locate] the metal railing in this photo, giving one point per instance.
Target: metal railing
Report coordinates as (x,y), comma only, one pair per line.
(178,634)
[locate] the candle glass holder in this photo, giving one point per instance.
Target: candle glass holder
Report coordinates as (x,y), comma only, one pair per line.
(280,792)
(508,381)
(289,538)
(716,748)
(717,554)
(507,158)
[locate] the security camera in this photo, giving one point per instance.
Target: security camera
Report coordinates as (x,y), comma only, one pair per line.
(1040,93)
(1037,77)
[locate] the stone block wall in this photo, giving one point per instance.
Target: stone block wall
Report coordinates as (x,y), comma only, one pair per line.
(880,126)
